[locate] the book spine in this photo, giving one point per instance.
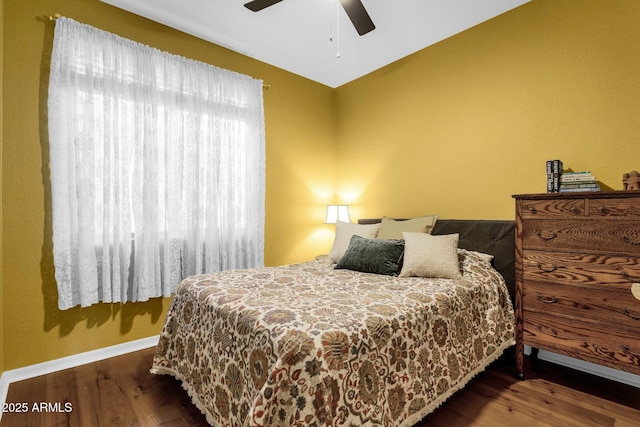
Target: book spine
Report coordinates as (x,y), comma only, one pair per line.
(549,176)
(578,184)
(575,190)
(557,172)
(578,173)
(577,178)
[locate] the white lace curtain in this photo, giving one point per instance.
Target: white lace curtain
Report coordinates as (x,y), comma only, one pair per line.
(157,168)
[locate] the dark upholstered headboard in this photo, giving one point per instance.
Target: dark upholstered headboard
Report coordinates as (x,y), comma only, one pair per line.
(495,237)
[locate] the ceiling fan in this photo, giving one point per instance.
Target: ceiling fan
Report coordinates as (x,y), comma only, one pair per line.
(354,8)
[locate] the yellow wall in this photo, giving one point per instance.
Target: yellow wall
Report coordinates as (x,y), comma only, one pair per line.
(300,179)
(459,127)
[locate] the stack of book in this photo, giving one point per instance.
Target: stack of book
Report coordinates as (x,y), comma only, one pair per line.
(578,181)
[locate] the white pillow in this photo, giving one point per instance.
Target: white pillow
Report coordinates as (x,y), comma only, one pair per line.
(344,231)
(426,255)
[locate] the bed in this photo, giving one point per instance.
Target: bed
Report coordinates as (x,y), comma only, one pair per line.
(310,344)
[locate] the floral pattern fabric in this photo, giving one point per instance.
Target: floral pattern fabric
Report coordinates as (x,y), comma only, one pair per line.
(309,345)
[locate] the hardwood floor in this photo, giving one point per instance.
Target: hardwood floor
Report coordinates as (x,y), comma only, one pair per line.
(114,392)
(121,392)
(551,395)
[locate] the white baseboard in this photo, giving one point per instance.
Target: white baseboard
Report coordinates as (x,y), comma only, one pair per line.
(44,368)
(591,368)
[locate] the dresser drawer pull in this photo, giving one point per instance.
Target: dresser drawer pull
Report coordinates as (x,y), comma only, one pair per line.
(627,349)
(629,277)
(573,209)
(602,209)
(550,269)
(547,300)
(531,209)
(630,241)
(634,315)
(546,235)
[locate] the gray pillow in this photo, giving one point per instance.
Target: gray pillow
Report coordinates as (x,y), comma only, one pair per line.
(373,256)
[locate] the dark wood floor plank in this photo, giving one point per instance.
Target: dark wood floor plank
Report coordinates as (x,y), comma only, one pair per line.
(122,391)
(171,408)
(452,418)
(586,392)
(114,406)
(24,396)
(493,409)
(527,399)
(584,385)
(61,388)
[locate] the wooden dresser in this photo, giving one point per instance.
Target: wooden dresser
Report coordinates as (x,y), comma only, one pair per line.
(578,276)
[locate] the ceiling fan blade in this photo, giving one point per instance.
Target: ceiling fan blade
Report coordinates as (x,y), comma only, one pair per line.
(358,15)
(257,5)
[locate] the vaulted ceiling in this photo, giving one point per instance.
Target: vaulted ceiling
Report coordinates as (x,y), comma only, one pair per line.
(315,38)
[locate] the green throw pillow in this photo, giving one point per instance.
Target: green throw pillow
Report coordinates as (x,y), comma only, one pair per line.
(373,256)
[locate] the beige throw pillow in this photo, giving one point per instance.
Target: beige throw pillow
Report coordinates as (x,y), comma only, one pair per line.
(344,231)
(393,229)
(431,256)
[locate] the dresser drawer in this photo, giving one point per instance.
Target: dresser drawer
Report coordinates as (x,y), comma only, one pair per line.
(575,338)
(560,208)
(588,236)
(604,309)
(581,269)
(614,208)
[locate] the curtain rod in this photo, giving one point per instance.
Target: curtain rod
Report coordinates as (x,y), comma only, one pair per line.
(57,15)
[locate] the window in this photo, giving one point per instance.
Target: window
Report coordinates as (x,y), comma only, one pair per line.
(157,168)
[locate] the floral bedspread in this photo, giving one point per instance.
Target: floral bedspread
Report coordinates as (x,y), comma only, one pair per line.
(307,345)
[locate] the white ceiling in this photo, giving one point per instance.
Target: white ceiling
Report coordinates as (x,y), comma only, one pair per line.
(315,38)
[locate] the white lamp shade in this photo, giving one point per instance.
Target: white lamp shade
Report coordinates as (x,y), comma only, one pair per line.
(337,213)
